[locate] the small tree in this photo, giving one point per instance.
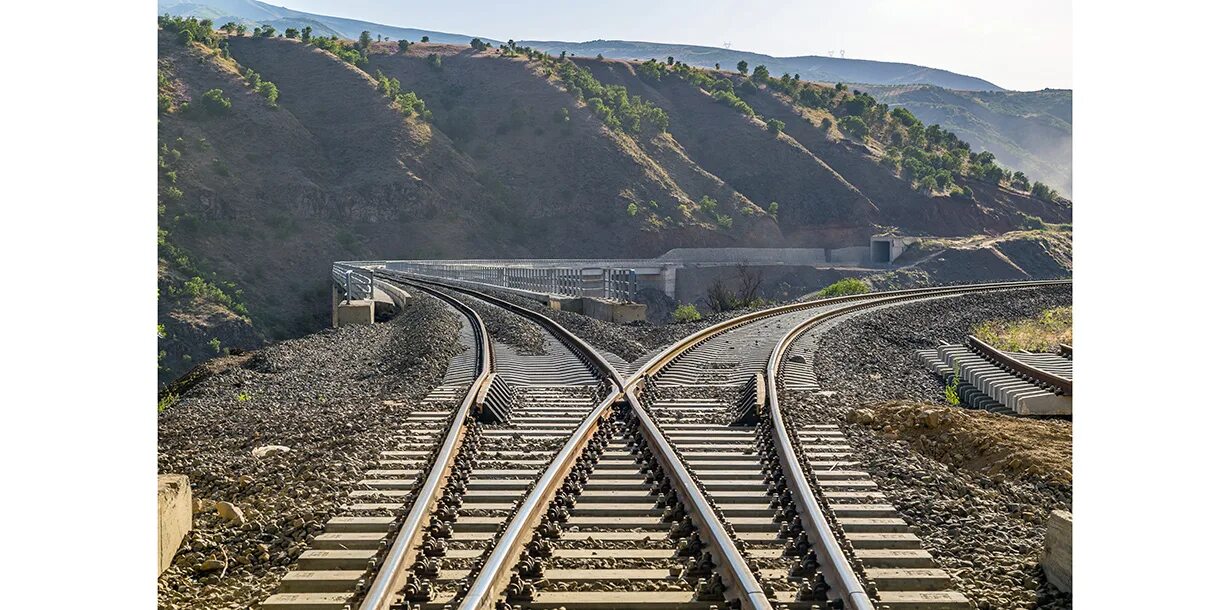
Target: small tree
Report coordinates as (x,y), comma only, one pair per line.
(773,209)
(775,126)
(477,44)
(854,127)
(241,29)
(229,27)
(269,91)
(670,60)
(365,40)
(749,286)
(403,45)
(291,33)
(425,39)
(1042,191)
(719,298)
(717,66)
(214,102)
(306,34)
(742,67)
(761,74)
(632,209)
(433,61)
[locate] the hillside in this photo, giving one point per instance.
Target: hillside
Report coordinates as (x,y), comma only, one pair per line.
(1030,131)
(451,151)
(1026,130)
(809,67)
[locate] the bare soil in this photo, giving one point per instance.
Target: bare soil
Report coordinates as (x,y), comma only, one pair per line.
(987,443)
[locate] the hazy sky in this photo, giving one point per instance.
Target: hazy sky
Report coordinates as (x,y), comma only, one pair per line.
(1018,45)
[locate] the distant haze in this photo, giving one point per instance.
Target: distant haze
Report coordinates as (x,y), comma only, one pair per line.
(1022,46)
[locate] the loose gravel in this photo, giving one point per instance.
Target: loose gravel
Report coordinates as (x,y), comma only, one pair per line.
(507,327)
(629,341)
(871,357)
(331,398)
(984,525)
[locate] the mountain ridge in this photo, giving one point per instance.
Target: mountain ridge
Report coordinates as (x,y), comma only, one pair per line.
(811,67)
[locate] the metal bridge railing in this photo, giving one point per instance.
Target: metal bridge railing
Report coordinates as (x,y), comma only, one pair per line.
(355,282)
(615,284)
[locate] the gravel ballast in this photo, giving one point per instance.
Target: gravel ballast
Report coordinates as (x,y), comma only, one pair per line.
(984,524)
(871,357)
(331,398)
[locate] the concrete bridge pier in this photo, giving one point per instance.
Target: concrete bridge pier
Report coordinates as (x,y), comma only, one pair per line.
(347,312)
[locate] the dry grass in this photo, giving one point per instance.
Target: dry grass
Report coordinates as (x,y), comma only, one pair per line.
(1042,333)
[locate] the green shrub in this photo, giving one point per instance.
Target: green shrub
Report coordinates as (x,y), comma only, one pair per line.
(214,102)
(732,100)
(174,194)
(950,390)
(167,399)
(845,287)
(775,126)
(610,103)
(632,209)
(412,104)
(773,209)
(686,313)
(854,127)
(269,91)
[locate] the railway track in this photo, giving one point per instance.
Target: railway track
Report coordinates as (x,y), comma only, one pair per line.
(557,481)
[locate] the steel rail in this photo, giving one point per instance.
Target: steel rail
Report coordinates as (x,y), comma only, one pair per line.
(834,565)
(494,576)
(738,576)
(654,366)
(840,570)
(392,576)
(1050,381)
(570,340)
(1065,350)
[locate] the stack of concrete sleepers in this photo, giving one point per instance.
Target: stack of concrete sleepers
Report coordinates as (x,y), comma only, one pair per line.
(997,389)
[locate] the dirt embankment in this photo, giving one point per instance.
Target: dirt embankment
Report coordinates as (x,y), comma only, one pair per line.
(987,443)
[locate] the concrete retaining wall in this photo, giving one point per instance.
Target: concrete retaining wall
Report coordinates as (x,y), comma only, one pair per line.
(1057,550)
(174,516)
(614,311)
